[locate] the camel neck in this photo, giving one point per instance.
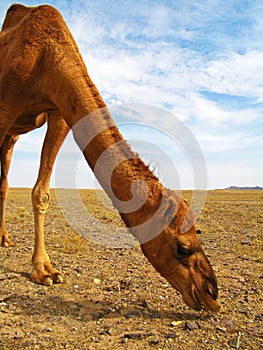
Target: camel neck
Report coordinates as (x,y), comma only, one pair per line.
(133,188)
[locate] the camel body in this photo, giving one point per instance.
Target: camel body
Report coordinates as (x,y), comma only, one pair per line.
(44,79)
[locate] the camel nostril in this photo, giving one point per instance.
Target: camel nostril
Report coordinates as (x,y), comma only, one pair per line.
(211,288)
(212,291)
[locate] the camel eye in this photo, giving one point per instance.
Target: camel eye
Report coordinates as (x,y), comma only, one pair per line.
(183,251)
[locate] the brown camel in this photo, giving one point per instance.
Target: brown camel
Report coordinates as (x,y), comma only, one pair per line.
(43,78)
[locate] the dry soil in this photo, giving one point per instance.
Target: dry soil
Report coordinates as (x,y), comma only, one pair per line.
(112,298)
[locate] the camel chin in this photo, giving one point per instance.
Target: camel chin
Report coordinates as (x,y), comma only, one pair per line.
(200,299)
(212,305)
(208,303)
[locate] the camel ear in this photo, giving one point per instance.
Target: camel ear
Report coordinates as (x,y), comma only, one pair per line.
(170,210)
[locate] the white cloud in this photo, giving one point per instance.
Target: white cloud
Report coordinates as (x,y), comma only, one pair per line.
(235,74)
(209,111)
(86,30)
(175,77)
(219,142)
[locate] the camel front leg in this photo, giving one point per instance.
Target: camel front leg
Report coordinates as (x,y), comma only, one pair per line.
(5,158)
(42,271)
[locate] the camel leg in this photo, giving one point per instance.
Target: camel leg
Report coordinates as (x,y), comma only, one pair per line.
(5,158)
(42,271)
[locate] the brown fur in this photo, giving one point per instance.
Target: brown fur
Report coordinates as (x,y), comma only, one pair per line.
(43,78)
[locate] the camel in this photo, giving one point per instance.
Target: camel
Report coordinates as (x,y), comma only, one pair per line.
(43,79)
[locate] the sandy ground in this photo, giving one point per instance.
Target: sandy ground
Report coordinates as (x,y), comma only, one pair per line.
(112,298)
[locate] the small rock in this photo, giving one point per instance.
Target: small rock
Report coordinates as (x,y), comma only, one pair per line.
(148,334)
(259,317)
(145,304)
(222,329)
(191,325)
(49,329)
(96,280)
(154,314)
(137,335)
(132,314)
(105,332)
(177,324)
(170,335)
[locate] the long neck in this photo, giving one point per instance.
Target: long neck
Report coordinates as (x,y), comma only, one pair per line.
(132,187)
(134,190)
(130,184)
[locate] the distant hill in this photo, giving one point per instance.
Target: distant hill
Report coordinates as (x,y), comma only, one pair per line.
(248,188)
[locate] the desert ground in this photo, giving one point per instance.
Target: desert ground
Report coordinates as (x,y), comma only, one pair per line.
(112,298)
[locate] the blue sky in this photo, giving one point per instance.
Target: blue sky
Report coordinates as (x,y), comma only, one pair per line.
(201,60)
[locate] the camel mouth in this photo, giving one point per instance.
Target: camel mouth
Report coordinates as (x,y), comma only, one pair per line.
(212,304)
(201,301)
(206,301)
(197,301)
(191,299)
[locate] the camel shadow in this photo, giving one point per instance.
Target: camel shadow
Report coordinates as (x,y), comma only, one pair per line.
(85,309)
(91,309)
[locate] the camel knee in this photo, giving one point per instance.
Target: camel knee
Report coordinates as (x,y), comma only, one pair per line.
(40,201)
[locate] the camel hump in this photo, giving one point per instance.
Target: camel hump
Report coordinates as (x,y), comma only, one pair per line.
(17,12)
(14,15)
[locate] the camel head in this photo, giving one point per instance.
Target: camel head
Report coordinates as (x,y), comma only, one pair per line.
(176,253)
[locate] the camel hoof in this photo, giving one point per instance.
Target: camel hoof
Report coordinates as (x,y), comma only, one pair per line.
(48,281)
(58,278)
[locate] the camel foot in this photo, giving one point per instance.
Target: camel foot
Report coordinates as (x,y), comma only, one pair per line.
(49,281)
(45,274)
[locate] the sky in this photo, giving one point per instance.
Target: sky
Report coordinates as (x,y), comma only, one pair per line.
(199,62)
